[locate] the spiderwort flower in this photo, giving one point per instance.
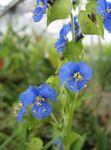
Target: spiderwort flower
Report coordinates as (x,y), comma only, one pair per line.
(104,9)
(40,10)
(38,97)
(75,75)
(62,40)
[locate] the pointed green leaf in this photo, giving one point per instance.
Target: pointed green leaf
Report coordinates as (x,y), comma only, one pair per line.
(89,26)
(70,138)
(54,82)
(73,50)
(59,10)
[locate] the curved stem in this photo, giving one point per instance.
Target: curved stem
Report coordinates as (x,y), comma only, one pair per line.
(54,119)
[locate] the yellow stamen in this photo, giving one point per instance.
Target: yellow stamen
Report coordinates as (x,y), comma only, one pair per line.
(39,98)
(78,76)
(41,3)
(20,105)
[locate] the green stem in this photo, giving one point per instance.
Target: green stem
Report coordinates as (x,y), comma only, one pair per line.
(55,120)
(73,26)
(72,109)
(74,102)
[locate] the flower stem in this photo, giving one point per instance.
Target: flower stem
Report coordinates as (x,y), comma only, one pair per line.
(55,120)
(73,26)
(71,113)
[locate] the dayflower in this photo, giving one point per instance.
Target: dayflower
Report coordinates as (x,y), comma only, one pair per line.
(38,97)
(104,9)
(75,75)
(40,10)
(62,40)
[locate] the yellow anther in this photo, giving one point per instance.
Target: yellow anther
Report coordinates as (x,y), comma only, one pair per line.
(20,105)
(41,3)
(39,98)
(78,76)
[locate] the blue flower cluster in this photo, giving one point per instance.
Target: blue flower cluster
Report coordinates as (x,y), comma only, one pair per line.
(62,40)
(75,75)
(38,97)
(40,10)
(104,9)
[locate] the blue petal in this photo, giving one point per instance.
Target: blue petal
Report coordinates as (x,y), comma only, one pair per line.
(72,85)
(107,24)
(75,86)
(42,111)
(59,144)
(65,29)
(109,5)
(46,91)
(102,5)
(85,70)
(67,71)
(28,96)
(60,44)
(81,84)
(38,14)
(21,114)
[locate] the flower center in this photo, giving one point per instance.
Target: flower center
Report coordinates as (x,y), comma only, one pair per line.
(78,76)
(108,10)
(40,98)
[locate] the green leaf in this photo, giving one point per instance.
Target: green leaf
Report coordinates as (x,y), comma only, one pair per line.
(73,50)
(54,82)
(78,144)
(70,138)
(59,10)
(54,58)
(91,6)
(89,26)
(35,144)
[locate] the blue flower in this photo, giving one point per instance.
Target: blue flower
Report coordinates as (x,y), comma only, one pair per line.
(104,9)
(59,144)
(75,75)
(62,40)
(40,10)
(38,97)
